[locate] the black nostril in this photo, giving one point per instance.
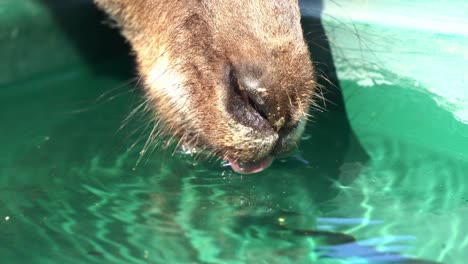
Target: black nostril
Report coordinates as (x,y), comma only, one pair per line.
(234,82)
(245,93)
(259,108)
(241,107)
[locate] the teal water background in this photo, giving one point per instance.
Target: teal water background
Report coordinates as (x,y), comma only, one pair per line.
(384,181)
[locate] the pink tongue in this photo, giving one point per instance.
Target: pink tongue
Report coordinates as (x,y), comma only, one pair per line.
(251,167)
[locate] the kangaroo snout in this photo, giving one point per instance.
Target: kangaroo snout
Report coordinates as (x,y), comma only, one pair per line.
(233,78)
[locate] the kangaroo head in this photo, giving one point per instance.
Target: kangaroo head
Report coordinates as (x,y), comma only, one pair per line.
(230,77)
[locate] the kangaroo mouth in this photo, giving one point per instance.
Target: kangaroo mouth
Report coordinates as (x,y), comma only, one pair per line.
(251,167)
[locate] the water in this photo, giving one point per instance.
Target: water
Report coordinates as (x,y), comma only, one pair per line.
(382,182)
(72,191)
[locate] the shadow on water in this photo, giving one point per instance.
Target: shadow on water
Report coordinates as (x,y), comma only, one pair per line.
(89,30)
(329,140)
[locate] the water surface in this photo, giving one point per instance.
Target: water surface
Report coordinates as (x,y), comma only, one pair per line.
(73,192)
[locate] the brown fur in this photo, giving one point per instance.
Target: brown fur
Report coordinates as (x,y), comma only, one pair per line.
(185,50)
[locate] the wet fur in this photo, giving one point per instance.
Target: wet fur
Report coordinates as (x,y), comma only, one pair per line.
(184,50)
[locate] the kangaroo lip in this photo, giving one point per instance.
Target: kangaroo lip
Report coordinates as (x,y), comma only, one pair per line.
(252,166)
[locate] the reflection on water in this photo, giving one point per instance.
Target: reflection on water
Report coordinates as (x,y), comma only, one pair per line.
(71,193)
(422,194)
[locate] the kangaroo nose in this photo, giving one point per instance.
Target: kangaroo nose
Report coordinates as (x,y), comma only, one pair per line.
(259,90)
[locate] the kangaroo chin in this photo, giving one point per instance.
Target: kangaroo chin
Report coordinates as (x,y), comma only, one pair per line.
(233,78)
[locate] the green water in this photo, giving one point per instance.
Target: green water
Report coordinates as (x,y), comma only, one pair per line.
(380,176)
(72,191)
